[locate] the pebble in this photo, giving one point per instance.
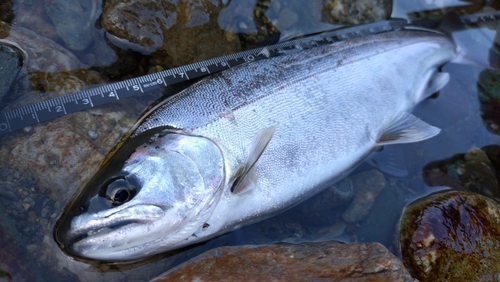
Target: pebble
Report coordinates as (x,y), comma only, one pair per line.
(7,191)
(186,34)
(43,222)
(44,212)
(26,206)
(93,134)
(287,19)
(71,19)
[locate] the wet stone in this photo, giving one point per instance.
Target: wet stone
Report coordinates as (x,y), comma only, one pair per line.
(44,212)
(174,32)
(488,86)
(477,170)
(367,185)
(14,257)
(328,261)
(48,71)
(11,62)
(452,236)
(355,12)
(337,197)
(72,20)
(6,13)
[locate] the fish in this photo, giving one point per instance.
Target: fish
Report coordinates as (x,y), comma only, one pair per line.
(249,142)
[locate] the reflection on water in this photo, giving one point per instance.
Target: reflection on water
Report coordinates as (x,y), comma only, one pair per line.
(42,166)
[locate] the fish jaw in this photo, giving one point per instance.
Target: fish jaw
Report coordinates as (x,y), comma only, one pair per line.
(128,234)
(174,187)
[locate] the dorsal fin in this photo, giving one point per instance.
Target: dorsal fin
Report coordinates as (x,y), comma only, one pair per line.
(257,147)
(407,129)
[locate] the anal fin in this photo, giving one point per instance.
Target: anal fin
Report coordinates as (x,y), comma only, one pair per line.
(259,144)
(407,129)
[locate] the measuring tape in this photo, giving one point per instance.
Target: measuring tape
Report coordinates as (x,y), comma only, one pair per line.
(93,97)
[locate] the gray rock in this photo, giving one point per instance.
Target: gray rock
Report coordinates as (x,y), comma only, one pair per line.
(367,186)
(12,61)
(47,67)
(73,21)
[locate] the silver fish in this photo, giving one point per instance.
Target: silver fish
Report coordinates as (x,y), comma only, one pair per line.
(252,141)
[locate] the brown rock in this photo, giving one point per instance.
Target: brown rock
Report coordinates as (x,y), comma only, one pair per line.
(6,13)
(61,153)
(367,185)
(355,12)
(452,236)
(329,261)
(174,34)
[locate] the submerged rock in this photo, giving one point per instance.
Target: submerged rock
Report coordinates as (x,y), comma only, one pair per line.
(488,86)
(174,32)
(47,66)
(477,170)
(367,186)
(355,12)
(16,263)
(330,261)
(452,236)
(337,197)
(12,60)
(73,21)
(267,21)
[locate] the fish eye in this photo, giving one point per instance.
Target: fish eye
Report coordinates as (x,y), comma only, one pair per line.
(119,191)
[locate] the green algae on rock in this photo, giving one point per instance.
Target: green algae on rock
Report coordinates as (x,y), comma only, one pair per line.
(452,236)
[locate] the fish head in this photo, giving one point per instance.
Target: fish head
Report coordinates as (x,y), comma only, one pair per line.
(152,194)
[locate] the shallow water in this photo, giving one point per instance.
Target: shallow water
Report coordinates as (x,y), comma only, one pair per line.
(37,181)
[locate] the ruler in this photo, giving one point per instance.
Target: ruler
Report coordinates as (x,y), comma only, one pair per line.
(97,96)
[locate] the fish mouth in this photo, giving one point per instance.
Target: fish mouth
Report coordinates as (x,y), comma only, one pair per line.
(88,231)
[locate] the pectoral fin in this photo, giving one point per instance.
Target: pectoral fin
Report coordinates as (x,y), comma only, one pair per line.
(407,129)
(257,147)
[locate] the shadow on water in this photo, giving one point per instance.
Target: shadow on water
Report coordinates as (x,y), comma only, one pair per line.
(45,164)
